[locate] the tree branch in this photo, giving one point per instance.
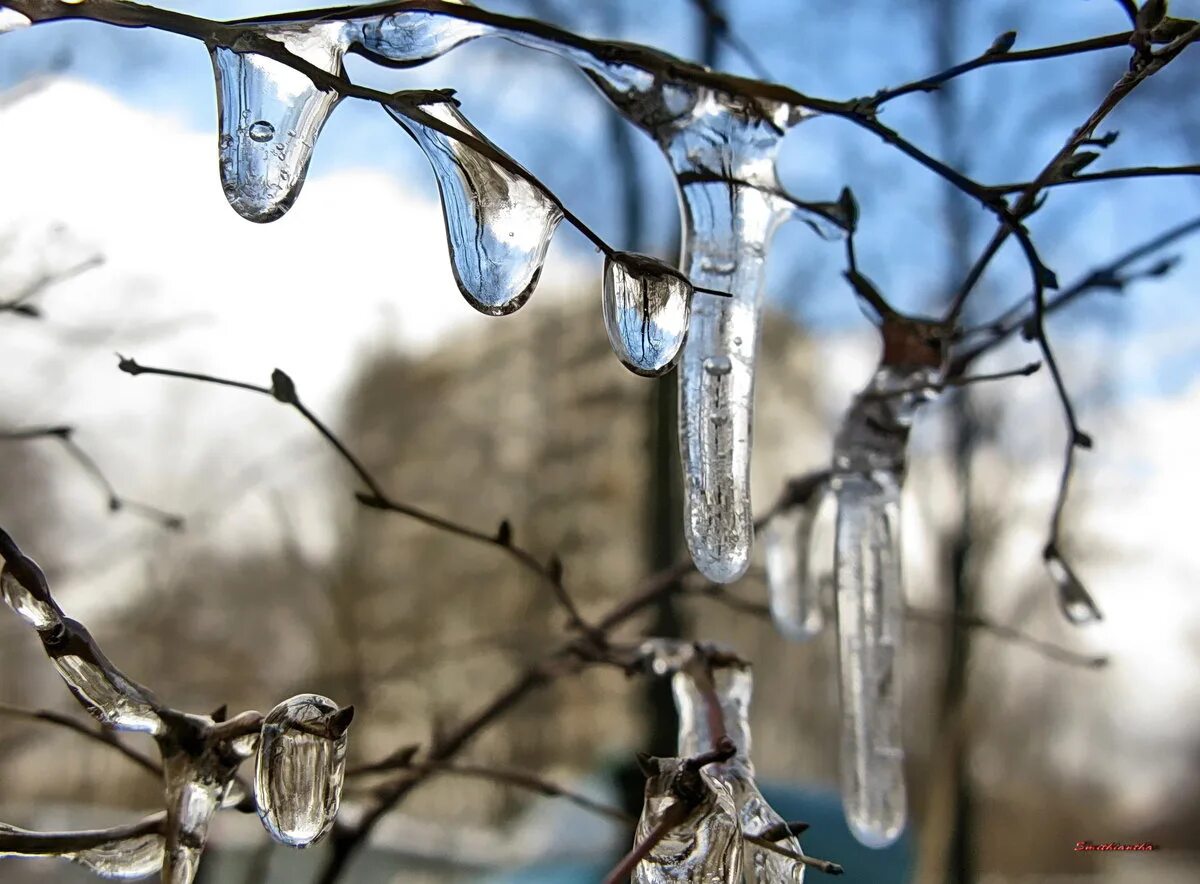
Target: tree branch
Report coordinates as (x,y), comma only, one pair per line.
(87,729)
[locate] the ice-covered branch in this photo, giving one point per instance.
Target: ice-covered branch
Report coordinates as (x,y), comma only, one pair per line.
(123,852)
(283,390)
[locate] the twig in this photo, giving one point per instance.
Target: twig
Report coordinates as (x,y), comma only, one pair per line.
(672,817)
(821,865)
(65,435)
(283,390)
(1047,649)
(1106,175)
(19,303)
(27,843)
(87,729)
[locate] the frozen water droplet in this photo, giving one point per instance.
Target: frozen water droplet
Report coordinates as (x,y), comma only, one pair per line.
(32,604)
(262,131)
(11,20)
(410,37)
(870,620)
(646,308)
(301,765)
(795,596)
(706,848)
(262,184)
(718,365)
(498,224)
(124,858)
(1073,598)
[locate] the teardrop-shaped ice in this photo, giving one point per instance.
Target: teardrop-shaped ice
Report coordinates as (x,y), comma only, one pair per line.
(124,858)
(870,608)
(412,36)
(794,593)
(102,689)
(498,224)
(646,308)
(269,115)
(698,688)
(706,847)
(301,765)
(1073,598)
(32,603)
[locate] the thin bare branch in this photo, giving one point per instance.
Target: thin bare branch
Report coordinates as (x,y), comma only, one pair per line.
(87,728)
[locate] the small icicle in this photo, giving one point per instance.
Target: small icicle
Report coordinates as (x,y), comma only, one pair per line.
(413,36)
(794,593)
(24,589)
(706,847)
(301,765)
(121,859)
(1073,598)
(498,224)
(269,115)
(194,788)
(646,308)
(101,688)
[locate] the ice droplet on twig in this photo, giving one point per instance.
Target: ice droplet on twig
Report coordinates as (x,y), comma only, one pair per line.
(301,766)
(1073,598)
(706,847)
(121,859)
(498,224)
(794,593)
(646,305)
(412,36)
(270,115)
(868,472)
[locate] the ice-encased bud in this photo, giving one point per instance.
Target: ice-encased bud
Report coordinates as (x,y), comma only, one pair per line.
(705,847)
(124,858)
(270,115)
(301,765)
(646,305)
(498,224)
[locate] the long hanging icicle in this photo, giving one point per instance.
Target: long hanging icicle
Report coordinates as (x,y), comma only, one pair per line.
(301,767)
(713,690)
(868,473)
(498,224)
(270,115)
(121,857)
(794,593)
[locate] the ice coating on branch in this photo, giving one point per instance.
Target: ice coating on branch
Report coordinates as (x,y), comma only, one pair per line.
(705,846)
(711,695)
(301,766)
(103,690)
(269,115)
(121,859)
(794,592)
(24,588)
(868,473)
(646,305)
(412,36)
(498,224)
(1073,598)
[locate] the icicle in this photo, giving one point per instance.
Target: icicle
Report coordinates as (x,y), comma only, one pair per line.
(24,589)
(869,463)
(270,115)
(11,20)
(646,308)
(124,858)
(1073,598)
(498,224)
(705,848)
(301,765)
(794,593)
(412,36)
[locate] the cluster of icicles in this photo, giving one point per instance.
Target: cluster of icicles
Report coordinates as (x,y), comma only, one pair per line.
(299,750)
(499,219)
(712,692)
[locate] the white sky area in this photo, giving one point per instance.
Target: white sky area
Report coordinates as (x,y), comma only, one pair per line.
(359,265)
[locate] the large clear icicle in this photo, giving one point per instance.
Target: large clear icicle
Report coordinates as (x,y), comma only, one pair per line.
(646,305)
(498,224)
(869,463)
(270,115)
(706,847)
(124,858)
(794,592)
(301,767)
